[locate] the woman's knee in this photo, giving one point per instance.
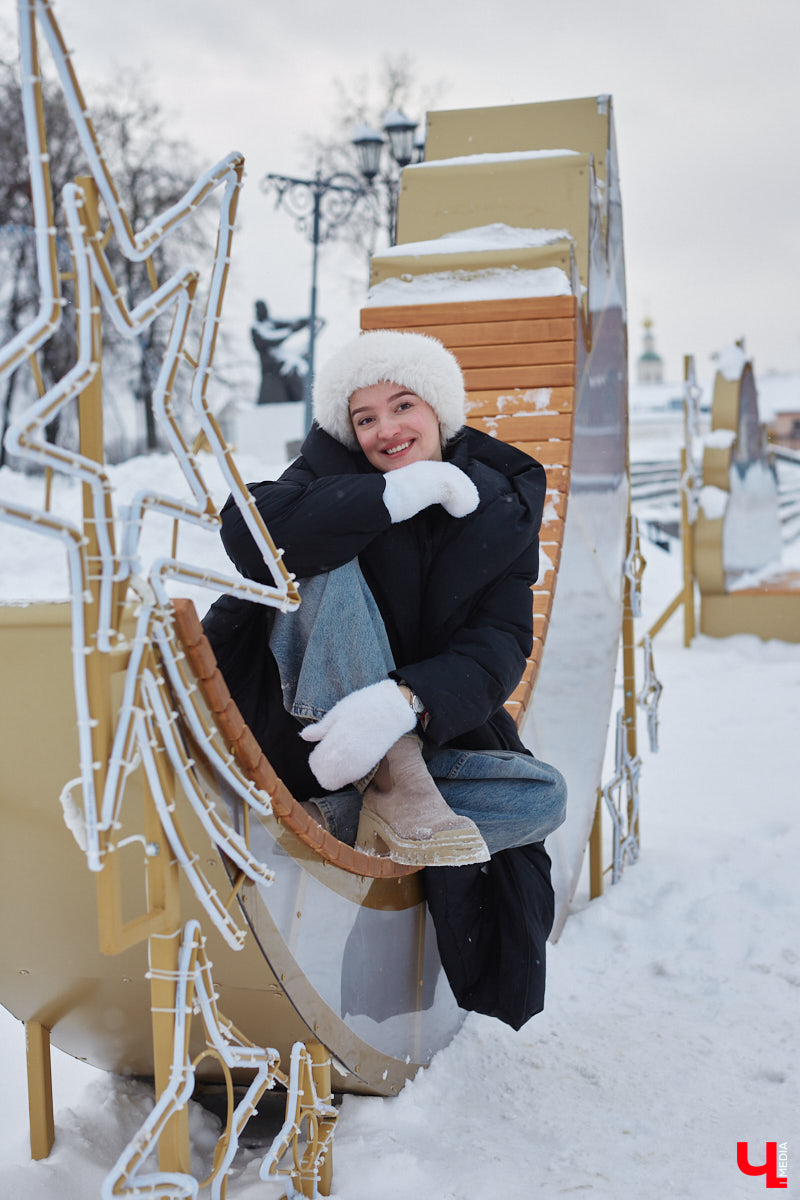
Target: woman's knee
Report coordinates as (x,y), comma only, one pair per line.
(551,785)
(548,795)
(558,798)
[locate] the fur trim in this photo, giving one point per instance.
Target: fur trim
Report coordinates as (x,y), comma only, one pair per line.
(414,360)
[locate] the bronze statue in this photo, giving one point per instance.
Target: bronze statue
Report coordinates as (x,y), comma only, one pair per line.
(281,375)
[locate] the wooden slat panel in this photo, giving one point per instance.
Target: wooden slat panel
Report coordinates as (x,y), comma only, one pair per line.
(546,579)
(483,333)
(514,708)
(489,403)
(541,600)
(520,354)
(540,621)
(548,375)
(555,453)
(553,552)
(552,531)
(405,316)
(553,549)
(522,688)
(559,502)
(538,427)
(521,694)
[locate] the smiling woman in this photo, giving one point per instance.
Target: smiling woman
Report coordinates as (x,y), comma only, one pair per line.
(416,541)
(394,426)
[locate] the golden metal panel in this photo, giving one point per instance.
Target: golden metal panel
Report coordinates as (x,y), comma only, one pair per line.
(539,193)
(767,614)
(581,124)
(717,466)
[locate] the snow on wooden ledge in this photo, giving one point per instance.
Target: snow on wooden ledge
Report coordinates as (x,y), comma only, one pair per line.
(442,287)
(496,236)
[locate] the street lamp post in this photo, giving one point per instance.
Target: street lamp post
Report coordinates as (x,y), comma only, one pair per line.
(404,149)
(323,204)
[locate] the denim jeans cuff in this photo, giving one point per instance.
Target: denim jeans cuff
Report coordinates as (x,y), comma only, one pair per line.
(331,813)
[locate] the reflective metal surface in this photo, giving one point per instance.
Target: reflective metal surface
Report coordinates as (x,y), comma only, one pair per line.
(357,957)
(568,719)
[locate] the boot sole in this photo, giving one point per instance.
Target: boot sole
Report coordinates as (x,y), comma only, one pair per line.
(449,848)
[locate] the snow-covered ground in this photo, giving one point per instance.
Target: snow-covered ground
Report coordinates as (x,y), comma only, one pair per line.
(671,1026)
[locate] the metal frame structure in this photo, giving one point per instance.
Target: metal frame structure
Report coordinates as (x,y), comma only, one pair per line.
(141,715)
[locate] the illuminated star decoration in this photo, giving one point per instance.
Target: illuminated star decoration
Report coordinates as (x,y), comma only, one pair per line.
(26,435)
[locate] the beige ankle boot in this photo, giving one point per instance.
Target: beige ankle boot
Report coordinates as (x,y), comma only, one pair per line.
(404,812)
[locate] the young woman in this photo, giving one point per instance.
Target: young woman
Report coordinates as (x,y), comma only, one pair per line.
(415,541)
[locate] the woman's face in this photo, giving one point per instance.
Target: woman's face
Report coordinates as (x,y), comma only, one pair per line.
(394,426)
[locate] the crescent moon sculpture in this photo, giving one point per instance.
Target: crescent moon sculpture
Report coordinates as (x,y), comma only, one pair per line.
(238,942)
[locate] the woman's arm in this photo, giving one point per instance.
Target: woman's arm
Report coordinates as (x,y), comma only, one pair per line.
(320,523)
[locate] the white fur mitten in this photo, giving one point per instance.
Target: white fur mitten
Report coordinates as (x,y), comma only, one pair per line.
(410,489)
(356,733)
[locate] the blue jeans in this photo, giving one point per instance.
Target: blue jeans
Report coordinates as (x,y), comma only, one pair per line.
(335,643)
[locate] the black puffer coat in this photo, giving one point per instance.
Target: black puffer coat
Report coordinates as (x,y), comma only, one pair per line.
(454,594)
(455,598)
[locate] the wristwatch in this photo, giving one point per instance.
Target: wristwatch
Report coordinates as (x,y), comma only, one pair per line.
(417,707)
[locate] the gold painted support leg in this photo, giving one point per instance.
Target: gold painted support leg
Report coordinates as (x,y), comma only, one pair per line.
(671,608)
(173,1144)
(321,1072)
(687,547)
(629,688)
(40,1089)
(596,852)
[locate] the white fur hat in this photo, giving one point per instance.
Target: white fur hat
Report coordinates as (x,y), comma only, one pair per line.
(414,360)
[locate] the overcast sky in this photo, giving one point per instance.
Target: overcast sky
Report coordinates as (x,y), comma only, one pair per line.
(706,101)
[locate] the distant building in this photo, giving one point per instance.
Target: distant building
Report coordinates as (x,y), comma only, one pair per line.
(784,429)
(649,364)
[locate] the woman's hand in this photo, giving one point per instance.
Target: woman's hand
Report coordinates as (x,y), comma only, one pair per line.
(420,484)
(356,733)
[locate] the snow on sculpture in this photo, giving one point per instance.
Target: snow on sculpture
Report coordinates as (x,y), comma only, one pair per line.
(744,586)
